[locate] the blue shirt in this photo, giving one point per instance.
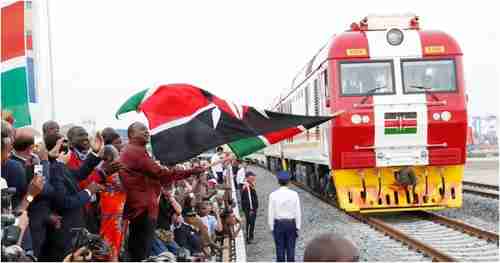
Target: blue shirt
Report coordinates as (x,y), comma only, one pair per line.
(211,222)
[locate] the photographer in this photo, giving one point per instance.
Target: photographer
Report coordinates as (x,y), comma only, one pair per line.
(69,198)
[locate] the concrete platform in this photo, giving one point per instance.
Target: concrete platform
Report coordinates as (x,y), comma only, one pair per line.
(482,170)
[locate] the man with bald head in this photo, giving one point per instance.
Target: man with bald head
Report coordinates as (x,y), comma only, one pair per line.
(143,179)
(331,247)
(39,211)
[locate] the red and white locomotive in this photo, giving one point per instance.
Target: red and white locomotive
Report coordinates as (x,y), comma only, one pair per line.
(402,90)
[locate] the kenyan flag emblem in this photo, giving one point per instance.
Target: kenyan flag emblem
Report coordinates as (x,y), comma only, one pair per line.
(396,123)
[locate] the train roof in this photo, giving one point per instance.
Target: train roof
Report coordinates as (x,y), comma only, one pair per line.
(353,44)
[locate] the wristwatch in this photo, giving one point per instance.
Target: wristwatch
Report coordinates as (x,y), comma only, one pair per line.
(29,198)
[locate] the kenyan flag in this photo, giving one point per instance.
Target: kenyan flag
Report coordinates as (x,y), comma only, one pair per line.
(186,121)
(17,67)
(397,123)
(248,146)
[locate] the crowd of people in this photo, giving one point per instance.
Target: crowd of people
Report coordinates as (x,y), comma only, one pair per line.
(80,198)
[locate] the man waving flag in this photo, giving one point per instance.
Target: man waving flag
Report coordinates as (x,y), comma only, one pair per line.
(186,121)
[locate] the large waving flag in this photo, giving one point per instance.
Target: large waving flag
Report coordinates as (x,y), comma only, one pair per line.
(186,121)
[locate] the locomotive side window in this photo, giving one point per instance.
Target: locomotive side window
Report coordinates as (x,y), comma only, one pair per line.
(366,78)
(429,75)
(325,80)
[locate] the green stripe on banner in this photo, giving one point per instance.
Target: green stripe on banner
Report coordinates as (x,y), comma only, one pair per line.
(246,146)
(409,130)
(132,104)
(15,96)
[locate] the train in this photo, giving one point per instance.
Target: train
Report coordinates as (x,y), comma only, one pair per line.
(400,142)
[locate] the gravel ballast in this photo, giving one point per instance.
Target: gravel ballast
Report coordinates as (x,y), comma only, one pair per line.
(319,218)
(476,210)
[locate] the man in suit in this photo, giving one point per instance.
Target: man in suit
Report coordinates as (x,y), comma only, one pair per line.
(69,199)
(79,151)
(250,204)
(39,209)
(143,178)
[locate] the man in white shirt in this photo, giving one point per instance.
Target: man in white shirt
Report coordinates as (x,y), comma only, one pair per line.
(240,175)
(218,165)
(284,218)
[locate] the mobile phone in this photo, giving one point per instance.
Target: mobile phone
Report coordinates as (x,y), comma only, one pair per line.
(38,169)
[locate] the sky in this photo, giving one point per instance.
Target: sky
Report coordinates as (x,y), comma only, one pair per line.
(243,51)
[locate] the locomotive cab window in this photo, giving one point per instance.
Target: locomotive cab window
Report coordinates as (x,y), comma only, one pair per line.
(366,78)
(429,75)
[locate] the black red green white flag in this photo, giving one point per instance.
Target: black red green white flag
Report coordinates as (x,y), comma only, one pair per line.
(186,121)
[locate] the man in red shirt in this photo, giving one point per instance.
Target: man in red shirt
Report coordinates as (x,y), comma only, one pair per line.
(143,178)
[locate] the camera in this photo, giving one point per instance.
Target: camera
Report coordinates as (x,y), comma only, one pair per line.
(99,247)
(10,232)
(15,253)
(65,146)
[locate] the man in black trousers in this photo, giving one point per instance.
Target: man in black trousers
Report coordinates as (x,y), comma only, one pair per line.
(250,204)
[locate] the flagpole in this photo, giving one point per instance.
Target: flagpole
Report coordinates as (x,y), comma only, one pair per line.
(51,65)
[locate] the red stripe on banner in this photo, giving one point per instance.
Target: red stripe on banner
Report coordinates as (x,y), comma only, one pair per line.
(407,123)
(274,137)
(397,123)
(391,123)
(245,110)
(13,31)
(169,103)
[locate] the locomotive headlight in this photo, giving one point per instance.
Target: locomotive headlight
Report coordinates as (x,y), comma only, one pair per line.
(436,116)
(446,115)
(395,36)
(366,119)
(356,119)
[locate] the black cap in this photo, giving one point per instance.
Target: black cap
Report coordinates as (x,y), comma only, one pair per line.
(188,211)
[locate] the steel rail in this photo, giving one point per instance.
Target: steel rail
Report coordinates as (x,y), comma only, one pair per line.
(419,246)
(385,228)
(481,185)
(489,191)
(415,244)
(461,226)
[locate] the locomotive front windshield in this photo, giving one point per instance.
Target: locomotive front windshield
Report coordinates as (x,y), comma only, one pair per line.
(429,75)
(366,78)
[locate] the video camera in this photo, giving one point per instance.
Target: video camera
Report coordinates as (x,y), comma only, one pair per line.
(100,249)
(10,232)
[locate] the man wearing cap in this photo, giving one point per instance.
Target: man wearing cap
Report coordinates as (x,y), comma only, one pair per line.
(185,234)
(284,218)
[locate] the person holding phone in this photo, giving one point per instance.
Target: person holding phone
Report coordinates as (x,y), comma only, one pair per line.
(69,198)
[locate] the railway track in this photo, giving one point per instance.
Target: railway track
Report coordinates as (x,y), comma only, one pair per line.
(438,238)
(486,190)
